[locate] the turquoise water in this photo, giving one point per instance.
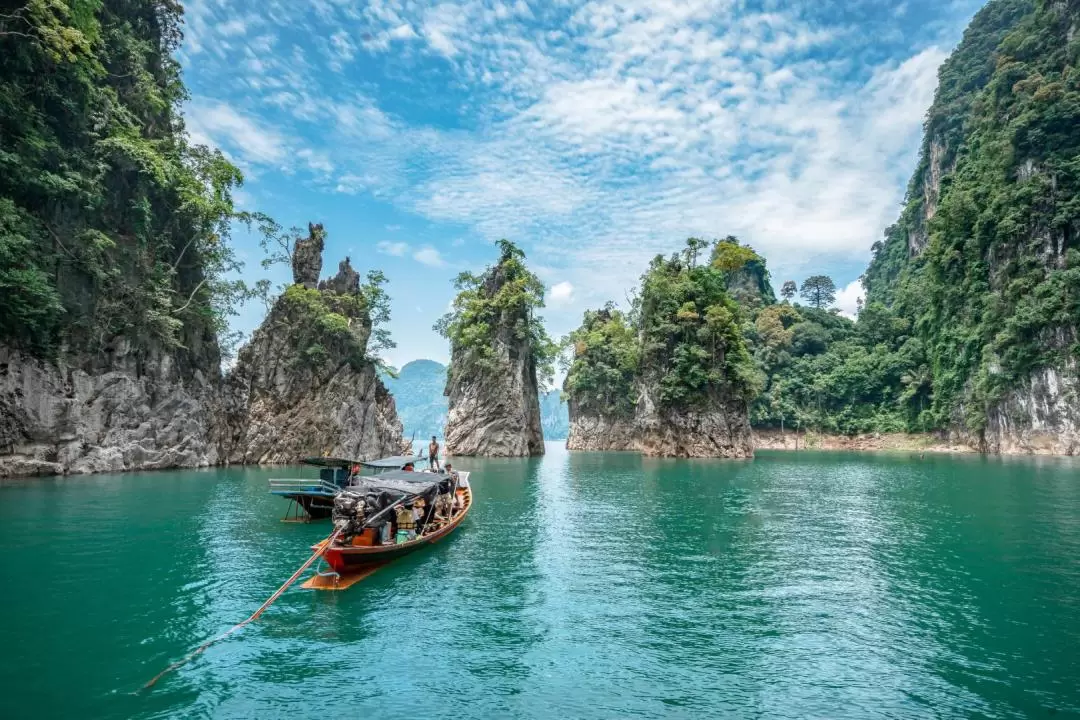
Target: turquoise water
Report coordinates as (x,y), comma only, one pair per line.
(582,585)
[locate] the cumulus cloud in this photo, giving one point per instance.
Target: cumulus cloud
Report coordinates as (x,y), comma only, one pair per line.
(560,292)
(397,249)
(848,298)
(428,256)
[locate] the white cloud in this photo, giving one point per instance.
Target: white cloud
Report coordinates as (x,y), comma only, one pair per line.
(235,26)
(398,249)
(220,124)
(403,32)
(560,293)
(847,299)
(428,255)
(596,134)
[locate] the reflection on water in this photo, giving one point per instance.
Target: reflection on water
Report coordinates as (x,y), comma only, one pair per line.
(582,585)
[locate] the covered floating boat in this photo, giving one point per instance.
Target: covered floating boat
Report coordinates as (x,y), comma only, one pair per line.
(373,519)
(313,498)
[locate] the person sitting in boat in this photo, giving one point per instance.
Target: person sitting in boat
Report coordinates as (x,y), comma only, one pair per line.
(433,454)
(408,467)
(444,507)
(406,523)
(419,511)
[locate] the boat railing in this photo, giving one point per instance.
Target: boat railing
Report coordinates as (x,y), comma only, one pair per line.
(309,486)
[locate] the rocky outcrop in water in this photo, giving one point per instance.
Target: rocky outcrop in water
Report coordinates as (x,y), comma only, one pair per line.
(303,385)
(494,406)
(494,412)
(672,378)
(599,431)
(140,413)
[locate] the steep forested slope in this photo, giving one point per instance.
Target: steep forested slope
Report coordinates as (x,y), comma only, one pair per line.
(111,224)
(113,243)
(984,261)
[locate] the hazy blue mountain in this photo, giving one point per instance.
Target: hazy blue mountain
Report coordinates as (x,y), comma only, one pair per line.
(421,405)
(554,416)
(418,393)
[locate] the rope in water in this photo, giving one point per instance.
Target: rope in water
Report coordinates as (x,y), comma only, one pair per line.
(254,616)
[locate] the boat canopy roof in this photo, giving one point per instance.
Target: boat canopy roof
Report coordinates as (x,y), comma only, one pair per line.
(328,462)
(394,461)
(400,482)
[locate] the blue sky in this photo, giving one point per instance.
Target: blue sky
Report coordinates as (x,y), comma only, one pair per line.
(595,134)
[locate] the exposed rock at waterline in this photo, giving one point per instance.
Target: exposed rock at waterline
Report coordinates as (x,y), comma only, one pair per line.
(139,414)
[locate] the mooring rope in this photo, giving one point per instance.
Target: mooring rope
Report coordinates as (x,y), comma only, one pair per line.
(254,616)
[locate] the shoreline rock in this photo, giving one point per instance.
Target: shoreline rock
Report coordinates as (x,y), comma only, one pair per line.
(140,414)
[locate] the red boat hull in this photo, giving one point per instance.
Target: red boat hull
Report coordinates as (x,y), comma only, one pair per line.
(349,559)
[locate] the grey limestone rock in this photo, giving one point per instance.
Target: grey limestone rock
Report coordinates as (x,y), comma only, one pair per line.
(307,256)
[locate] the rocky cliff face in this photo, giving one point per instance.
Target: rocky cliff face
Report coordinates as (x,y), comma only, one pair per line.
(1041,417)
(494,404)
(591,430)
(495,410)
(719,428)
(141,413)
(302,385)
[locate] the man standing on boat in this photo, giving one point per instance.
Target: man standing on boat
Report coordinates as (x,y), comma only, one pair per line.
(433,454)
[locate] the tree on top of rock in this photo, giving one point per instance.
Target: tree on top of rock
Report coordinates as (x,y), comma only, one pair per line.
(819,291)
(499,304)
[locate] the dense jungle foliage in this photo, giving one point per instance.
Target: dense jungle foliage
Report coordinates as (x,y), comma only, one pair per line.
(498,304)
(990,284)
(681,336)
(803,366)
(111,224)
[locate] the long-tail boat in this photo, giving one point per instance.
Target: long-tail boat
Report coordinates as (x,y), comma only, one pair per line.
(370,538)
(313,498)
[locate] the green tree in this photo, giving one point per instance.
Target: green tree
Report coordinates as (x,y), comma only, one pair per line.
(789,289)
(605,362)
(819,291)
(499,304)
(113,223)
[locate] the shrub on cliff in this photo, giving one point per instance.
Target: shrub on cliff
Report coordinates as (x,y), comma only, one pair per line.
(600,377)
(498,304)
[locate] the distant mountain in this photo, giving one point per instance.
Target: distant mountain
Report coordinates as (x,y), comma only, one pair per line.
(418,393)
(421,405)
(554,416)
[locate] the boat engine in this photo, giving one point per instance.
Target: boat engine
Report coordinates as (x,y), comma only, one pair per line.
(349,512)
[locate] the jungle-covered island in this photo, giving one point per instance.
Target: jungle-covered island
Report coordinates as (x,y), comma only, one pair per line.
(118,280)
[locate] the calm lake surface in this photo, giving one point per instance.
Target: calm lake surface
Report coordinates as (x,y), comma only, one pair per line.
(582,585)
